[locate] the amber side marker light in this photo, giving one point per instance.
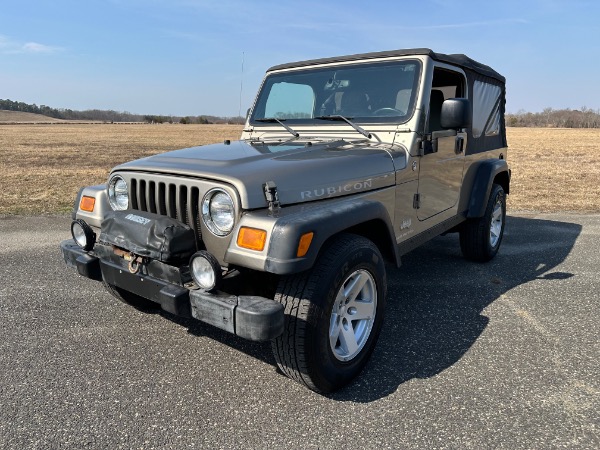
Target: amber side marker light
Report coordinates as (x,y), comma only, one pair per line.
(252,238)
(304,244)
(87,203)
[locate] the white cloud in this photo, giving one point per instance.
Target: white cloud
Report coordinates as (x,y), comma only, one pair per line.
(34,47)
(11,47)
(470,24)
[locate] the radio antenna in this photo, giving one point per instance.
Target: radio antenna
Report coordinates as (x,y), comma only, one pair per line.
(241,86)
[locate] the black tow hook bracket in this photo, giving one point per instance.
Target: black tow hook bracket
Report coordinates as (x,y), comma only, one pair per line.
(272,197)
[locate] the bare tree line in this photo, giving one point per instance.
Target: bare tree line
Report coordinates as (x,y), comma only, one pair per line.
(556,118)
(112,116)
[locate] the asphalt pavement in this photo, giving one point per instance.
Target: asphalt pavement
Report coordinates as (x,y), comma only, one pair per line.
(498,355)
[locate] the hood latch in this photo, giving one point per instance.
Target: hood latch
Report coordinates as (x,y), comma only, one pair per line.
(272,197)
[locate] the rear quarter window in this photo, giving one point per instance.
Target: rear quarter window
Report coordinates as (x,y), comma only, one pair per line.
(486,109)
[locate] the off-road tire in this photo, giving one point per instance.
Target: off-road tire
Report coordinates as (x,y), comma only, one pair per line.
(480,239)
(130,298)
(304,352)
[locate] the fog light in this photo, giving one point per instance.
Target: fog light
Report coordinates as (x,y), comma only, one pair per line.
(205,270)
(83,234)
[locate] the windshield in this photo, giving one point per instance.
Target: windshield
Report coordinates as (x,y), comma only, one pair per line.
(366,93)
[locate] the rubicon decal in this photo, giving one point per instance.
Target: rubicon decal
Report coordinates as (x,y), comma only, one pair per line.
(330,191)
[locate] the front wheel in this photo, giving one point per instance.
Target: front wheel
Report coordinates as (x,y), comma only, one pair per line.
(480,238)
(333,315)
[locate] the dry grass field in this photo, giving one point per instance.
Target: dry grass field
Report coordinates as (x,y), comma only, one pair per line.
(25,117)
(43,166)
(554,169)
(19,118)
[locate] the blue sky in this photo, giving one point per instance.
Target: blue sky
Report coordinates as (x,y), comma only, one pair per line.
(184,57)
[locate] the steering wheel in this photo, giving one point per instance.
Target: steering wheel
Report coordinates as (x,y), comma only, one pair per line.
(388,112)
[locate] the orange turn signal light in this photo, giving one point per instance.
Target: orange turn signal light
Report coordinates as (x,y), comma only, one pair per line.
(87,203)
(304,244)
(252,238)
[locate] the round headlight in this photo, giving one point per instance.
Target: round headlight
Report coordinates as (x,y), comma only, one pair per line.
(205,270)
(218,212)
(118,194)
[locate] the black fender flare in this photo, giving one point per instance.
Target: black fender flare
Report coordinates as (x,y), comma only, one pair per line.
(487,171)
(324,222)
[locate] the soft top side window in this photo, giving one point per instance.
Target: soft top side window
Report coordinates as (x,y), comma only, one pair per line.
(446,84)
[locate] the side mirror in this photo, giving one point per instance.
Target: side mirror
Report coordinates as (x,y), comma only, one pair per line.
(456,113)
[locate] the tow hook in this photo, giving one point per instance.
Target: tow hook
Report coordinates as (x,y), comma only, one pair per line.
(135,261)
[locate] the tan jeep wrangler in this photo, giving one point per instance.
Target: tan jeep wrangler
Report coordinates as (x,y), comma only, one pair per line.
(344,163)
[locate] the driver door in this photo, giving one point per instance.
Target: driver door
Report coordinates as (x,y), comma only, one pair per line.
(441,169)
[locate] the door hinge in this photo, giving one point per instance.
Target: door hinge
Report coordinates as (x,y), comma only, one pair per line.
(417,201)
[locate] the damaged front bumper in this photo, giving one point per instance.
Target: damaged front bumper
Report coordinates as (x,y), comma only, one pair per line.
(250,317)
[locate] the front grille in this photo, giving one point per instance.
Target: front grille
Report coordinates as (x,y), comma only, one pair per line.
(176,200)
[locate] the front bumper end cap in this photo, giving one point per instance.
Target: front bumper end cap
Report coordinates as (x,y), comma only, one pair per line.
(86,265)
(250,317)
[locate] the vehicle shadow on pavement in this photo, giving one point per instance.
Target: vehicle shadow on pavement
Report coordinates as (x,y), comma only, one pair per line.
(435,303)
(258,350)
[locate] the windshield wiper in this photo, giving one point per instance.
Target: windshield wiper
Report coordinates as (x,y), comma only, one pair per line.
(344,119)
(280,122)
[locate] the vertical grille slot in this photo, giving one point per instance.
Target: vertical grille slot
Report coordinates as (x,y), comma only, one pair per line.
(133,194)
(152,196)
(162,199)
(182,211)
(171,202)
(142,196)
(193,214)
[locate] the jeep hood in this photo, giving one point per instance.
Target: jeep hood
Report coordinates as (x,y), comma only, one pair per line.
(302,172)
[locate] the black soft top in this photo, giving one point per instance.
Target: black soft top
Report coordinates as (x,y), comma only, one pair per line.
(456,59)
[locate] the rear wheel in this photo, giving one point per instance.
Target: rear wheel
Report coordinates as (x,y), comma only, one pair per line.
(130,298)
(333,315)
(480,238)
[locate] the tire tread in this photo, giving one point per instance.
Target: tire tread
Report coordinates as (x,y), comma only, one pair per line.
(293,293)
(474,234)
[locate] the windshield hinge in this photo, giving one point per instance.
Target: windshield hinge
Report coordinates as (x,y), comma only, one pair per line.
(417,201)
(427,146)
(272,197)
